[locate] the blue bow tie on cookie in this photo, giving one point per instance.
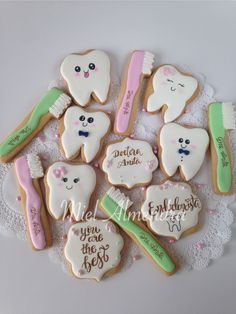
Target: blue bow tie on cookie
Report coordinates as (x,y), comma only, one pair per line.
(184,151)
(82,133)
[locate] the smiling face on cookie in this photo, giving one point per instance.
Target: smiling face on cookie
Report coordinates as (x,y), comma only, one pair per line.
(83,129)
(86,74)
(172,89)
(182,147)
(69,187)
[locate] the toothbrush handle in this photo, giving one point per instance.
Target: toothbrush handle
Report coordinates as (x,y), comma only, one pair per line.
(151,246)
(128,100)
(137,231)
(219,149)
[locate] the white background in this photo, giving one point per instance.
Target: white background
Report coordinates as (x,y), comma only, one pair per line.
(34,38)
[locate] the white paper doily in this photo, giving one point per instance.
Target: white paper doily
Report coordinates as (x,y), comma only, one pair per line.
(193,252)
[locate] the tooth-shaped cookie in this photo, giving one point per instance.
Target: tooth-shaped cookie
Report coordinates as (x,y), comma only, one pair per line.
(69,188)
(87,75)
(171,208)
(83,129)
(170,90)
(182,147)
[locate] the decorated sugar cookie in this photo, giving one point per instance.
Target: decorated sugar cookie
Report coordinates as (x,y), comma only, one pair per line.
(87,75)
(140,66)
(129,163)
(68,189)
(28,171)
(51,106)
(170,90)
(93,249)
(182,147)
(83,130)
(171,208)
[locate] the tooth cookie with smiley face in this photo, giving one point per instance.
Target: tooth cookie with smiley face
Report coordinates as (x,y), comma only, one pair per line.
(182,147)
(69,188)
(170,90)
(83,130)
(87,75)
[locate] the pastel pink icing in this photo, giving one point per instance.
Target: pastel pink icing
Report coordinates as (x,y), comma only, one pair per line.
(33,203)
(132,85)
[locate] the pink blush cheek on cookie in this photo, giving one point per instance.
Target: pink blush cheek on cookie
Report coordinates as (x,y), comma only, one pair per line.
(77,74)
(193,146)
(96,69)
(76,123)
(59,184)
(93,125)
(163,83)
(173,141)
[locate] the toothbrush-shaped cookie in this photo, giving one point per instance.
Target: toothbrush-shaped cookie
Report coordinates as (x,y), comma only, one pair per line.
(222,117)
(115,204)
(140,66)
(52,105)
(28,170)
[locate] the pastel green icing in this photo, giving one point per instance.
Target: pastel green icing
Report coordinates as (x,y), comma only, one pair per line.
(217,130)
(40,110)
(154,249)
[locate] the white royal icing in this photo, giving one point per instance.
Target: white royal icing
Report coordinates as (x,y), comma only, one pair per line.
(171,208)
(93,248)
(182,147)
(35,166)
(129,162)
(86,74)
(69,189)
(172,89)
(60,105)
(83,129)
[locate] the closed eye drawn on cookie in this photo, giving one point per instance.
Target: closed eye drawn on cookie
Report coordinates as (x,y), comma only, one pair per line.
(182,85)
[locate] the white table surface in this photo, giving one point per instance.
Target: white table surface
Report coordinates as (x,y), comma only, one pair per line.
(34,38)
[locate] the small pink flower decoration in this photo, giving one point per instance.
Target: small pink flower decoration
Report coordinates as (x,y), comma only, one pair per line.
(109,163)
(80,272)
(150,164)
(110,227)
(59,172)
(75,231)
(168,71)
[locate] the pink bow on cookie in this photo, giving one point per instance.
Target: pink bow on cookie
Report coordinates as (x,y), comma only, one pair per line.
(59,172)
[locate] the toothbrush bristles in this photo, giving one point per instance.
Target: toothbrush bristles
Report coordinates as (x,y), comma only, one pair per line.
(119,198)
(148,63)
(35,166)
(229,116)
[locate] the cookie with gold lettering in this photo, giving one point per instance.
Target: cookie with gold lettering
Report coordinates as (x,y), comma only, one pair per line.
(129,163)
(93,249)
(171,209)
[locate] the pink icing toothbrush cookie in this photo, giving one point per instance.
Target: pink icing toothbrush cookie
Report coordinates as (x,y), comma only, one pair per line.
(171,209)
(87,75)
(170,90)
(182,147)
(93,249)
(129,163)
(69,188)
(28,170)
(140,66)
(83,130)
